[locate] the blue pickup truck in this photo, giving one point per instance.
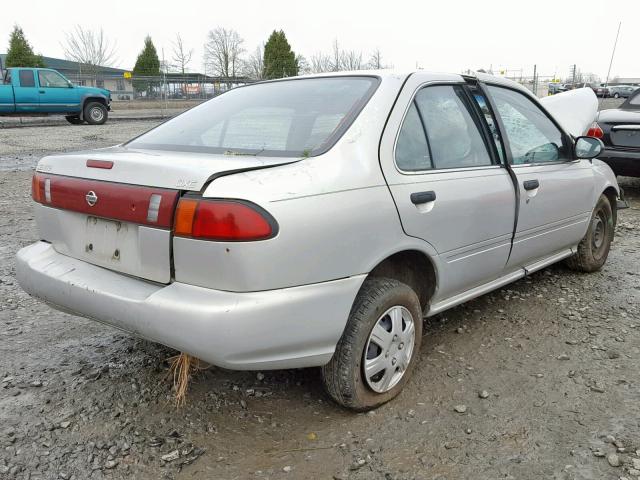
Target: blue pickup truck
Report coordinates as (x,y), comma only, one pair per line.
(42,91)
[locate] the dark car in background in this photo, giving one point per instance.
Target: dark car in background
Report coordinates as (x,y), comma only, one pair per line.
(619,129)
(601,91)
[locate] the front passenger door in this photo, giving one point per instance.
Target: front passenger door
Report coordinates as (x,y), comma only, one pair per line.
(555,190)
(56,95)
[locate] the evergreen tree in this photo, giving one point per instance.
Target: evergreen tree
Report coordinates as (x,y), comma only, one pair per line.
(147,65)
(279,60)
(20,53)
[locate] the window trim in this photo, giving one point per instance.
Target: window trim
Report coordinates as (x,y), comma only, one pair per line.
(502,161)
(507,144)
(437,83)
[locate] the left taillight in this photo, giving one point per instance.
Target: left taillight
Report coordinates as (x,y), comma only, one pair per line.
(223,220)
(41,189)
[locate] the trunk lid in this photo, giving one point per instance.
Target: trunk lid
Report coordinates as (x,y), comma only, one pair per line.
(114,207)
(622,127)
(153,168)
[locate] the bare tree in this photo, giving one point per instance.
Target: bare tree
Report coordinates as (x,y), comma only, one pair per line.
(222,52)
(350,60)
(181,56)
(320,63)
(336,60)
(375,61)
(254,65)
(90,48)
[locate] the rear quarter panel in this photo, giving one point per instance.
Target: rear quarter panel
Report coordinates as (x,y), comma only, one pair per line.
(335,213)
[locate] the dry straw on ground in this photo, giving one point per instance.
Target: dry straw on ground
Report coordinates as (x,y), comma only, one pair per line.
(182,368)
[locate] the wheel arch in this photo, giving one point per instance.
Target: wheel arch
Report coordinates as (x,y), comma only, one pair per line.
(92,98)
(612,195)
(412,267)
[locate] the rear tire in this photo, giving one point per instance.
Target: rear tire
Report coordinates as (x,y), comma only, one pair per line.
(616,95)
(594,248)
(95,113)
(74,120)
(393,309)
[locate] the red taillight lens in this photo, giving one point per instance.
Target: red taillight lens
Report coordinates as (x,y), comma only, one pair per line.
(224,220)
(595,131)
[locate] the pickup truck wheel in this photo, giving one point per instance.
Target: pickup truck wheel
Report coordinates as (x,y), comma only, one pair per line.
(74,120)
(95,113)
(378,348)
(594,247)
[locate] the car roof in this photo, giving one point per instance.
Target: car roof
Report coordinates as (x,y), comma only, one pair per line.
(393,73)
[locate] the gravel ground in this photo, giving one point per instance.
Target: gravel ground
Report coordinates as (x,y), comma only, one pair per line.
(540,379)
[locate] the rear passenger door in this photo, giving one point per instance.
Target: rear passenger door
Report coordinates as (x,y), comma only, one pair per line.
(446,179)
(555,190)
(26,92)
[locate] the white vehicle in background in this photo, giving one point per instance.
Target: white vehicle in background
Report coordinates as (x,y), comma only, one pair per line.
(314,221)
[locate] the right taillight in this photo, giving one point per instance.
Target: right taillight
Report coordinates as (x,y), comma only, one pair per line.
(595,131)
(223,220)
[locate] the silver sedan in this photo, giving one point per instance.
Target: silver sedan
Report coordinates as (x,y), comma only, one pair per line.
(314,221)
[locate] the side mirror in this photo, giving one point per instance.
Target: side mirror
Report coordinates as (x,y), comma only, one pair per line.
(588,147)
(70,85)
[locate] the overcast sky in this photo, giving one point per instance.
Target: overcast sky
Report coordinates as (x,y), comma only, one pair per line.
(444,35)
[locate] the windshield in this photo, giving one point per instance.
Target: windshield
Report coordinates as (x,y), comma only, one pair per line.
(301,117)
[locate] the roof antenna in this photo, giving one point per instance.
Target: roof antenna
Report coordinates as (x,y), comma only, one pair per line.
(606,83)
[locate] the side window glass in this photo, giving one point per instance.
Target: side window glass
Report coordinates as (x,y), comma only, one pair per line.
(533,138)
(26,78)
(412,151)
(452,134)
(51,80)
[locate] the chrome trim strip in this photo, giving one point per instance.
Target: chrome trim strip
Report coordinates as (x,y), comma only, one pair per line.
(475,292)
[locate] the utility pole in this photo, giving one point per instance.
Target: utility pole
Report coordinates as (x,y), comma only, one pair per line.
(535,80)
(612,54)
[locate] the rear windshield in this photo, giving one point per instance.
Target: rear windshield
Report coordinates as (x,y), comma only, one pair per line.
(302,117)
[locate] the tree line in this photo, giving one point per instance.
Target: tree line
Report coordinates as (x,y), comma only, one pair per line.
(224,55)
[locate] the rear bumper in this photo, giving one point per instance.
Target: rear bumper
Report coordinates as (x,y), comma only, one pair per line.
(622,162)
(286,328)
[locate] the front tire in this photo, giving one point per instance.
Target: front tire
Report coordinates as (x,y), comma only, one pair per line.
(379,347)
(95,113)
(594,248)
(616,95)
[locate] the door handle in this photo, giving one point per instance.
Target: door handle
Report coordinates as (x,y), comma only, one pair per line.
(42,91)
(423,197)
(531,184)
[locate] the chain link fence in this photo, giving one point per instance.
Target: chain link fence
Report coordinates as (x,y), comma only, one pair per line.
(172,86)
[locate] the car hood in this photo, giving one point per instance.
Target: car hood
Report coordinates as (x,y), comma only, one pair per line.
(575,110)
